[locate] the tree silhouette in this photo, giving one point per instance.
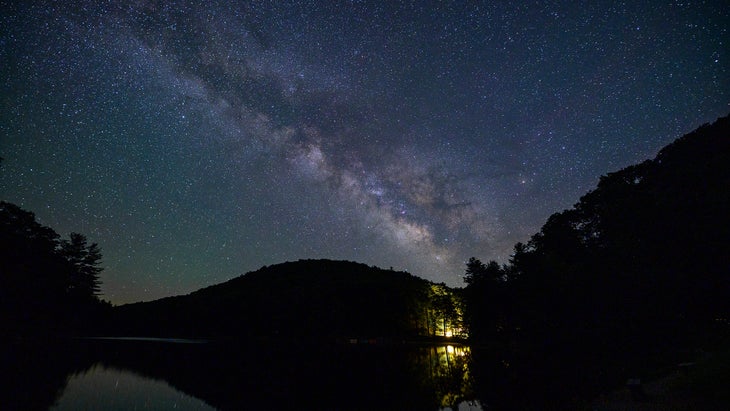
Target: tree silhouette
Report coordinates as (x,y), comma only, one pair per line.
(485,299)
(632,277)
(84,260)
(637,264)
(477,273)
(45,282)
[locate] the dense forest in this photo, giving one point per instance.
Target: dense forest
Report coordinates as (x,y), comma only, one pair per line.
(643,257)
(638,269)
(47,284)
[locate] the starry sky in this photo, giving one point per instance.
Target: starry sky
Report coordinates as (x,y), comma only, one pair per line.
(196,141)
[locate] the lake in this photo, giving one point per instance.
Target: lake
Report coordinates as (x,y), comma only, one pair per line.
(113,389)
(155,374)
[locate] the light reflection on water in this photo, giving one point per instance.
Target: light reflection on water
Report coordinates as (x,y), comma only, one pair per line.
(451,377)
(154,374)
(465,406)
(111,389)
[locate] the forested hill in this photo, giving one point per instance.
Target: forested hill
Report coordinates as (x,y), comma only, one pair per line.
(631,281)
(640,262)
(312,298)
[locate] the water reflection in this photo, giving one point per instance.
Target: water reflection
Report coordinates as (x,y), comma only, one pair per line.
(111,389)
(118,375)
(449,375)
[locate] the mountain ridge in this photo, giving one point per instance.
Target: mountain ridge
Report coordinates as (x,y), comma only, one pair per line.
(313,298)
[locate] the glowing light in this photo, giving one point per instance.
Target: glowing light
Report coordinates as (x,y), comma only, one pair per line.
(449,333)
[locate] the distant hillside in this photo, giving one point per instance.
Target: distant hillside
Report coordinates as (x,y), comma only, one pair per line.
(310,298)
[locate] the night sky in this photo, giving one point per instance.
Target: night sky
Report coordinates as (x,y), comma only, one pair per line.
(196,141)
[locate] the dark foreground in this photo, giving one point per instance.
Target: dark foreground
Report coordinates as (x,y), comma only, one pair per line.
(244,375)
(370,374)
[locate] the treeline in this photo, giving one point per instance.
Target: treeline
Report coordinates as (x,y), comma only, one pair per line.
(50,286)
(47,284)
(639,265)
(319,299)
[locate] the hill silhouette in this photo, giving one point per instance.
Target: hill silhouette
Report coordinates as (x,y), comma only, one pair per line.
(307,298)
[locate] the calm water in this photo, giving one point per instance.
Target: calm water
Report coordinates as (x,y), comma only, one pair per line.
(112,389)
(159,375)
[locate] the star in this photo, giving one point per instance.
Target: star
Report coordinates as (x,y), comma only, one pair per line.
(196,143)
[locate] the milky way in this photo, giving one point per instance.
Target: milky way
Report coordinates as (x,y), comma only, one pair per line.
(195,141)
